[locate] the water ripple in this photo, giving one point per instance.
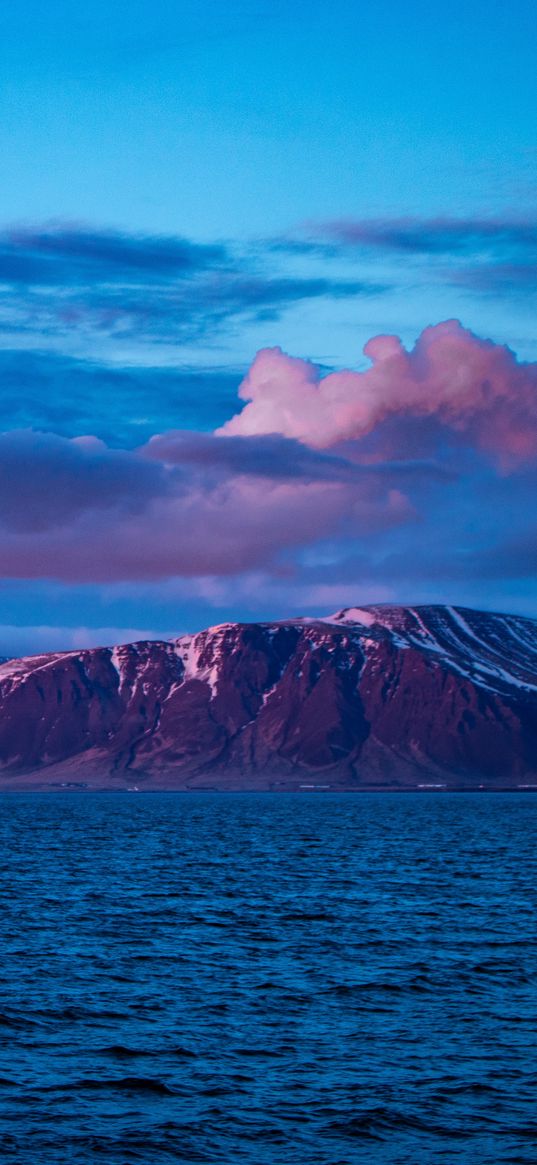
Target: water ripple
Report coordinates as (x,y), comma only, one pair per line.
(270,980)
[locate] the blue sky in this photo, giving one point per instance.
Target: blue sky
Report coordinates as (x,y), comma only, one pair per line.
(184,185)
(228,119)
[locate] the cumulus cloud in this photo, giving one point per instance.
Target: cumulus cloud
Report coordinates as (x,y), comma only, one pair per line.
(475,389)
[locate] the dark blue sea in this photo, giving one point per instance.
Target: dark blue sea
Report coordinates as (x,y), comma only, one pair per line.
(316,979)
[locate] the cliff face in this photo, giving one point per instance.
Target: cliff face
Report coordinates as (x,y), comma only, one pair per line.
(380,697)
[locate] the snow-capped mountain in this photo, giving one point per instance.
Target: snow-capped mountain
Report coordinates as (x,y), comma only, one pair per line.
(380,696)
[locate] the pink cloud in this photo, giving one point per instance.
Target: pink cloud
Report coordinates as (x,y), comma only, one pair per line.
(264,491)
(77,511)
(472,387)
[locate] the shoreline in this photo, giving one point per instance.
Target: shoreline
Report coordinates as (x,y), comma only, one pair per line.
(69,789)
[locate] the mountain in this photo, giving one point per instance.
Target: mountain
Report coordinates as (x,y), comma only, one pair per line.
(373,697)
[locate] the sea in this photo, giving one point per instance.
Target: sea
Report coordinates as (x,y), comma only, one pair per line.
(268,979)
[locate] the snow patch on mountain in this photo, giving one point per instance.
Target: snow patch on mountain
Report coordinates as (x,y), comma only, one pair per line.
(361,615)
(191,648)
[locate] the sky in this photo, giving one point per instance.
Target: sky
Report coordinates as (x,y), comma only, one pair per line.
(268,289)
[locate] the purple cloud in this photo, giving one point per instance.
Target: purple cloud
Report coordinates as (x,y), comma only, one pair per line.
(47,481)
(444,235)
(184,505)
(499,253)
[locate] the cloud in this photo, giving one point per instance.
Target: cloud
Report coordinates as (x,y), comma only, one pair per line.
(60,279)
(47,481)
(184,505)
(265,456)
(485,255)
(224,532)
(513,557)
(510,280)
(443,235)
(76,255)
(408,474)
(77,284)
(474,389)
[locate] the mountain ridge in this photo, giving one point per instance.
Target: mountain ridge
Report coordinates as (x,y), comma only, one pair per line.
(379,696)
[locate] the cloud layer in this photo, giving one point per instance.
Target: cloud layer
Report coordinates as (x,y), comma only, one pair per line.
(81,289)
(485,254)
(61,278)
(184,505)
(415,475)
(444,235)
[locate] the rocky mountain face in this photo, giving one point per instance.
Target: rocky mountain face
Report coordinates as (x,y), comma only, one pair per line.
(380,697)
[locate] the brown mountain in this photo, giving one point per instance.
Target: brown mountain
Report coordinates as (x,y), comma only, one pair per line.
(389,697)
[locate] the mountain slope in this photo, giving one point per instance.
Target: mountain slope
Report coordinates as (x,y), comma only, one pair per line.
(374,697)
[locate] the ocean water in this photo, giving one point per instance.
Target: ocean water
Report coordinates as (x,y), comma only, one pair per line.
(317,979)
